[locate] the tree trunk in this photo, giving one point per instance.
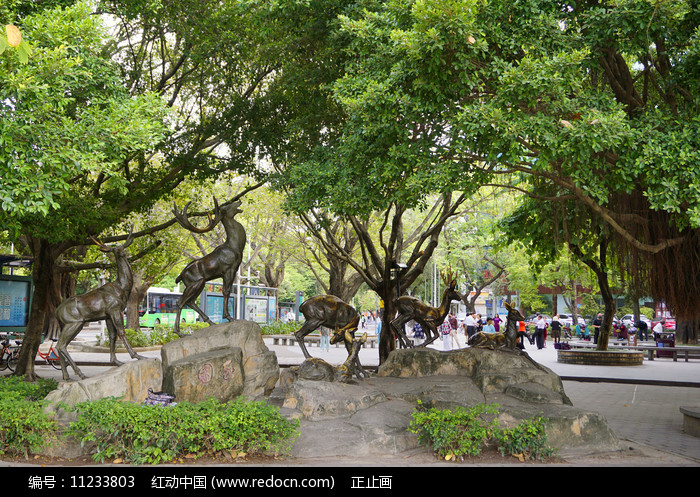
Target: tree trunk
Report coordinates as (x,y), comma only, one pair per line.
(387,338)
(138,291)
(687,331)
(609,306)
(600,269)
(43,276)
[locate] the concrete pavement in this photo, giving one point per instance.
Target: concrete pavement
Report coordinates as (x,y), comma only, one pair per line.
(641,403)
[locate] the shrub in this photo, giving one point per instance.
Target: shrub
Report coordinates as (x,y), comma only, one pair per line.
(455,433)
(18,387)
(280,328)
(160,335)
(144,434)
(465,432)
(528,440)
(24,427)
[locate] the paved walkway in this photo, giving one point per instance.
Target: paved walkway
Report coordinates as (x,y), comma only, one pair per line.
(642,413)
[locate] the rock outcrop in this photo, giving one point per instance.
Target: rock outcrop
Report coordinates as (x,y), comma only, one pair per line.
(373,416)
(222,361)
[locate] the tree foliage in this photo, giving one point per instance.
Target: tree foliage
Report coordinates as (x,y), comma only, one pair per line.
(598,99)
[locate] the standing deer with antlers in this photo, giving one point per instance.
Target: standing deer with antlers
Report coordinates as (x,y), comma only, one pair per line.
(222,262)
(410,308)
(106,302)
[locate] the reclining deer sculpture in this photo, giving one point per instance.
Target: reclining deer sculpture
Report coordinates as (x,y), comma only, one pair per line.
(222,262)
(410,308)
(506,340)
(331,312)
(106,302)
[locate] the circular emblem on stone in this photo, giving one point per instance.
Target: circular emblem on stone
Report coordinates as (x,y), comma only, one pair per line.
(206,373)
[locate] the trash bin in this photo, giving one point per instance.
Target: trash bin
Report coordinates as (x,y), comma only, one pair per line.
(665,339)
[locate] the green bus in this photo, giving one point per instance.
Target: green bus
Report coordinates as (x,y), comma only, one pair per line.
(160,307)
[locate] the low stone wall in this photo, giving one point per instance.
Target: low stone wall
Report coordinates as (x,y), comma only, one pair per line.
(691,420)
(601,357)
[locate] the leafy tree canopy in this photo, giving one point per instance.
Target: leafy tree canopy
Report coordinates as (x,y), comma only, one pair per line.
(599,99)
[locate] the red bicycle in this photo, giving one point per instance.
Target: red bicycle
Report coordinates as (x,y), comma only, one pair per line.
(10,354)
(51,356)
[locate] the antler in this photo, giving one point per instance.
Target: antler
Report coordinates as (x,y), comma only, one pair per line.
(449,277)
(107,248)
(185,222)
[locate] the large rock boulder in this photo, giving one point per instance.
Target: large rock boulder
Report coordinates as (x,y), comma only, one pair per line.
(130,382)
(230,357)
(216,373)
(372,417)
(491,371)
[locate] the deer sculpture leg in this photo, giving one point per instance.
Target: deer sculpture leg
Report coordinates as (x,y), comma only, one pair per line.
(352,364)
(431,334)
(226,288)
(116,329)
(68,333)
(306,328)
(192,289)
(398,325)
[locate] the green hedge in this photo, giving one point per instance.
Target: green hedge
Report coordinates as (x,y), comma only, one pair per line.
(138,433)
(143,434)
(280,328)
(160,335)
(24,427)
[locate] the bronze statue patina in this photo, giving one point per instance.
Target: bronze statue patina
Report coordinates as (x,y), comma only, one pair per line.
(317,369)
(104,303)
(506,340)
(410,308)
(332,312)
(222,262)
(352,365)
(329,311)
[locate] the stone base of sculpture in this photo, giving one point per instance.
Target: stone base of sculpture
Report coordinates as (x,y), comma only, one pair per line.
(371,417)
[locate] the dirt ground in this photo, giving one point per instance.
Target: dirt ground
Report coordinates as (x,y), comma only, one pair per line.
(631,456)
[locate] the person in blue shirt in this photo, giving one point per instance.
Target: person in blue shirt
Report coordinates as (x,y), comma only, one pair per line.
(489,327)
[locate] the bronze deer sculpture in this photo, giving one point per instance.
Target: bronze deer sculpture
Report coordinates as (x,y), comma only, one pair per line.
(223,262)
(410,308)
(505,340)
(331,312)
(104,303)
(352,363)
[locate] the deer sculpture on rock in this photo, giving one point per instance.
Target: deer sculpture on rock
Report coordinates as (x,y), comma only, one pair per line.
(506,340)
(104,303)
(331,312)
(410,308)
(223,262)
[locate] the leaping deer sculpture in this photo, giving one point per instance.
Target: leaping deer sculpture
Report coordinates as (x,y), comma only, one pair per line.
(106,302)
(410,308)
(331,312)
(222,262)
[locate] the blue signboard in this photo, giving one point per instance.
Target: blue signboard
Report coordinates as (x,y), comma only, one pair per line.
(15,296)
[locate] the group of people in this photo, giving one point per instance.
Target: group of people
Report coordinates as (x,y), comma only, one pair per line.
(450,329)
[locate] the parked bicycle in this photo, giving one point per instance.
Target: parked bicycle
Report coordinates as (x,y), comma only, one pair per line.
(10,354)
(51,355)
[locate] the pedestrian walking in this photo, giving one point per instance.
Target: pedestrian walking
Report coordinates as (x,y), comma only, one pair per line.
(325,343)
(470,321)
(540,326)
(522,333)
(556,329)
(597,322)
